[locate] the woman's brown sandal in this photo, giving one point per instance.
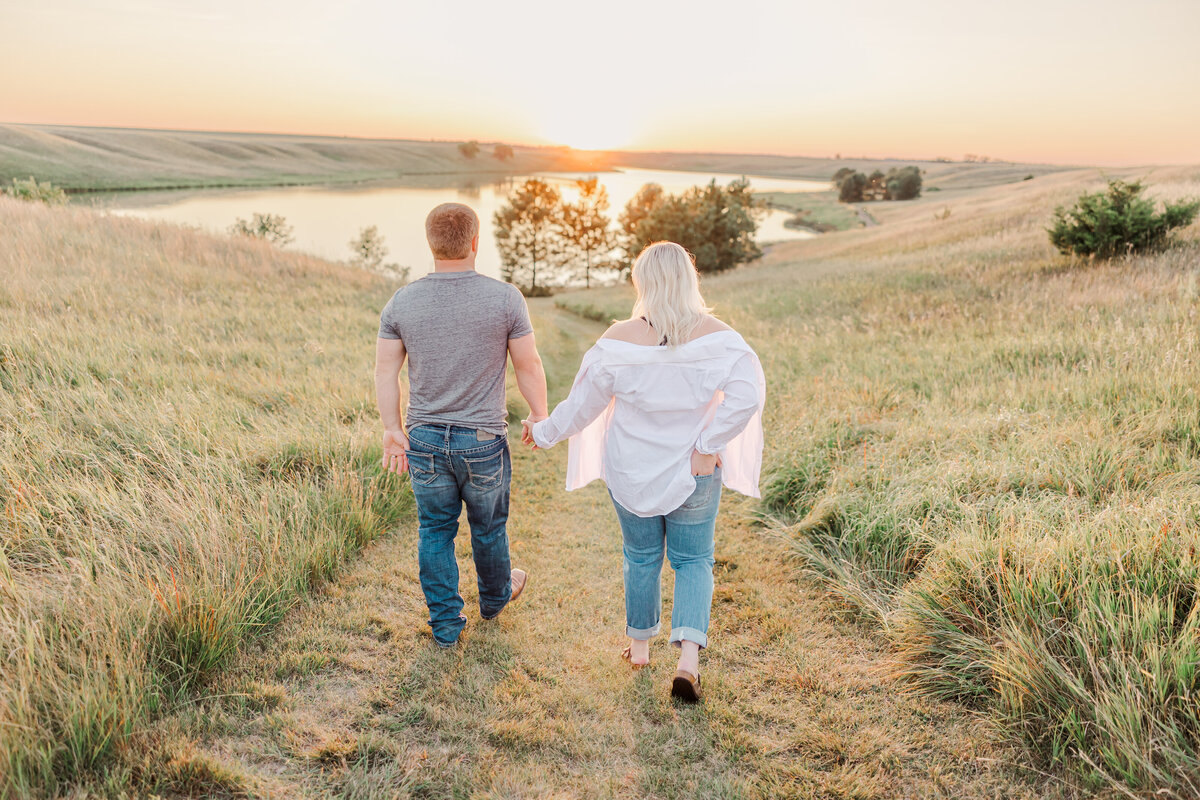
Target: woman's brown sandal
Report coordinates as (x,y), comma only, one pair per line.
(627,654)
(686,686)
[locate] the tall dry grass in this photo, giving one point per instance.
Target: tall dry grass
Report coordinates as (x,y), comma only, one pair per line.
(185,448)
(994,452)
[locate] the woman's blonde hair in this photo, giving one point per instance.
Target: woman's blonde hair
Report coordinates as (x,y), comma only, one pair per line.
(668,291)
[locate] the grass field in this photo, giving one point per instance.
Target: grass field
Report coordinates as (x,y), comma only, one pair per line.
(351,700)
(991,452)
(820,211)
(939,174)
(81,158)
(987,457)
(77,158)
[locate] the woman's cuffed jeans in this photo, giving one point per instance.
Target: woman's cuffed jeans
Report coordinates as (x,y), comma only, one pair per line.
(685,536)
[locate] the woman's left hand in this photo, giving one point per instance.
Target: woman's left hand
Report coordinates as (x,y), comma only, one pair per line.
(704,463)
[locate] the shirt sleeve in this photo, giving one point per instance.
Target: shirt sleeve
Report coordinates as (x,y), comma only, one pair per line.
(742,400)
(389,327)
(590,395)
(518,315)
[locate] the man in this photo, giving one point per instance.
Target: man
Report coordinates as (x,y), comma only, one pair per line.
(457,329)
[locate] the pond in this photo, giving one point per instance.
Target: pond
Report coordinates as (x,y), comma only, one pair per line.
(327,217)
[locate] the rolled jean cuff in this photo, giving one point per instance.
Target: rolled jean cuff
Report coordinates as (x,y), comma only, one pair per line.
(642,634)
(690,634)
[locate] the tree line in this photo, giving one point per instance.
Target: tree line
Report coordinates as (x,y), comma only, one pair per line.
(545,242)
(903,183)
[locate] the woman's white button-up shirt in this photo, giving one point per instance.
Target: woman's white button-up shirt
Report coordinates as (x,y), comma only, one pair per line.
(635,412)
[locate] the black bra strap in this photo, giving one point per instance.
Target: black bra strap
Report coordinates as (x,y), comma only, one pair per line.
(663,343)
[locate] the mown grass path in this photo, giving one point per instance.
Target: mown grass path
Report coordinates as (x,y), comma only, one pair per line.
(350,698)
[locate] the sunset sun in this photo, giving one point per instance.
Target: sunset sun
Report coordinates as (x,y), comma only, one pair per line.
(584,132)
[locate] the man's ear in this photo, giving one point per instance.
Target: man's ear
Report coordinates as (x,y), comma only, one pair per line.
(475,245)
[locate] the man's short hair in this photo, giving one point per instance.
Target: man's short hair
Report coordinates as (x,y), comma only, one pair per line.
(449,228)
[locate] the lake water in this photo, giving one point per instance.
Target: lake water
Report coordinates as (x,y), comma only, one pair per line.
(326,218)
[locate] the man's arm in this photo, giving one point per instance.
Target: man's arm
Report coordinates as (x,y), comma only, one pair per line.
(389,358)
(531,380)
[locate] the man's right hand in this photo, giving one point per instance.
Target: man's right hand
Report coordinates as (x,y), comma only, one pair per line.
(395,452)
(527,429)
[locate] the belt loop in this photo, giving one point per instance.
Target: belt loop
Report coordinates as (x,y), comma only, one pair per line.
(447,444)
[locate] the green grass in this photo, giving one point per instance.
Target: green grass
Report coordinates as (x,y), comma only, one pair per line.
(187,447)
(820,211)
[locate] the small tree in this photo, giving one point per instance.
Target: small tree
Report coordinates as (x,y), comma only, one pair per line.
(34,192)
(903,184)
(369,251)
(587,229)
(1119,221)
(840,174)
(635,212)
(717,225)
(272,227)
(852,188)
(502,152)
(528,231)
(469,149)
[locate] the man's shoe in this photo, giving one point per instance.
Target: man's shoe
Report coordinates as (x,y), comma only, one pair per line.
(518,578)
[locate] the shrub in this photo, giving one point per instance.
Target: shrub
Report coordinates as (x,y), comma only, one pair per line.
(469,149)
(502,152)
(1116,222)
(34,192)
(272,227)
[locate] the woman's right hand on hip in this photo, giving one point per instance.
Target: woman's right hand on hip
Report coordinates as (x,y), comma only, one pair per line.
(704,463)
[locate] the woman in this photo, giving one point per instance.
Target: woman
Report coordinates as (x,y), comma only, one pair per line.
(666,408)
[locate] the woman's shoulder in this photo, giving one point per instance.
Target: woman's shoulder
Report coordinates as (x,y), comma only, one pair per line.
(634,331)
(710,324)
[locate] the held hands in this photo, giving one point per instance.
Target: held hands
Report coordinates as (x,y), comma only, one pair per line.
(527,430)
(395,444)
(704,463)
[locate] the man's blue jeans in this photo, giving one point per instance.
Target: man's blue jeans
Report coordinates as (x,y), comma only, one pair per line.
(449,466)
(686,535)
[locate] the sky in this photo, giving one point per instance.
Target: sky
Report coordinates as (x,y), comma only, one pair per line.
(1104,82)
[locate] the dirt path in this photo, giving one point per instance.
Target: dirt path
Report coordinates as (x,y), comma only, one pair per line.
(865,217)
(349,698)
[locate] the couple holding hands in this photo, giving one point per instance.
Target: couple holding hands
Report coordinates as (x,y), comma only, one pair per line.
(666,408)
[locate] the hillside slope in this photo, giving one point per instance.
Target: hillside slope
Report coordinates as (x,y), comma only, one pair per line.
(126,158)
(187,445)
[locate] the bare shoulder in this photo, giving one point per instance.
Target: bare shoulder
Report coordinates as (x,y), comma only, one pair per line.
(711,324)
(634,331)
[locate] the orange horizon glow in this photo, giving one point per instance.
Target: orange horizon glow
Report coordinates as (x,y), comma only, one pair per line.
(1056,81)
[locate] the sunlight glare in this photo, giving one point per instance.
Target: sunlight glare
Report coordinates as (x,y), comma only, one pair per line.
(587,131)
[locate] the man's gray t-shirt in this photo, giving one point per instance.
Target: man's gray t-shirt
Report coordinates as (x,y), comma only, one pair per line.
(455,327)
